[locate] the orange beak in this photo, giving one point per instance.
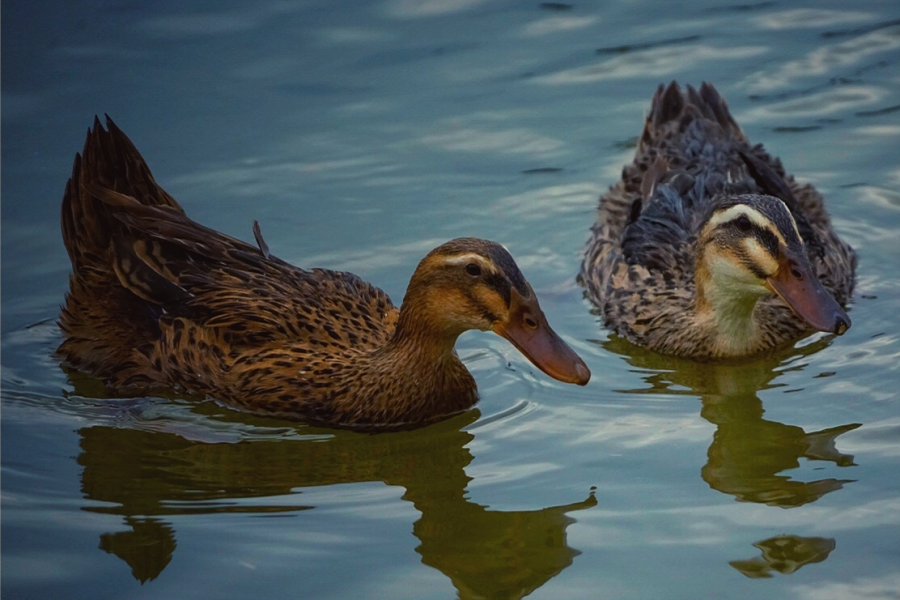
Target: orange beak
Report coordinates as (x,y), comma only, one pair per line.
(799,287)
(528,330)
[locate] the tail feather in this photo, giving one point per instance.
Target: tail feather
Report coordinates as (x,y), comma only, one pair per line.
(109,327)
(109,160)
(672,108)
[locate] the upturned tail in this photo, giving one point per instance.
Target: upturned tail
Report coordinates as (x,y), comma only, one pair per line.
(109,160)
(107,328)
(671,105)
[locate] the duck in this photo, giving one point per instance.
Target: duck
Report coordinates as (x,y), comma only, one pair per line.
(706,248)
(159,304)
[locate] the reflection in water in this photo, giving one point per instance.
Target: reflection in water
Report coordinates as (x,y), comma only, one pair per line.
(784,554)
(147,546)
(490,554)
(147,475)
(748,453)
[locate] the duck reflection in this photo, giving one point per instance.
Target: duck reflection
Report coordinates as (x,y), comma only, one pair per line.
(147,546)
(784,554)
(147,475)
(749,454)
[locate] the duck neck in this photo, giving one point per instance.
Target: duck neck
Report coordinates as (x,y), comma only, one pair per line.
(418,376)
(421,336)
(726,310)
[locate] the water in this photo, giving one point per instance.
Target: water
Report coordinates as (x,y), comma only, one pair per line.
(361,136)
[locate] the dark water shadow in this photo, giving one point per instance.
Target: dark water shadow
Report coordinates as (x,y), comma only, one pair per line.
(751,457)
(148,476)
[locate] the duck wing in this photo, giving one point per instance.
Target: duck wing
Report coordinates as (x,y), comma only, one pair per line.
(659,229)
(139,264)
(252,297)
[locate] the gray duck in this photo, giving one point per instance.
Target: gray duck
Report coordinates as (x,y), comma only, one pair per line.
(706,248)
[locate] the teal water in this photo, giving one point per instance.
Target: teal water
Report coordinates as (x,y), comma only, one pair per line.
(360,135)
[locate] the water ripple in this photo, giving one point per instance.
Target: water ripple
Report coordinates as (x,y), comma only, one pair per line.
(811,18)
(826,60)
(657,62)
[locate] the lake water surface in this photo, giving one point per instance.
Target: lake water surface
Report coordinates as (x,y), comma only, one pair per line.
(363,134)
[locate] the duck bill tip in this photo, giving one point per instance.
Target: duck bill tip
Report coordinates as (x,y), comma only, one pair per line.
(797,284)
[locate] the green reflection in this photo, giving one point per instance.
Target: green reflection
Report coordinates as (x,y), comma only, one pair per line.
(784,554)
(748,454)
(147,546)
(146,475)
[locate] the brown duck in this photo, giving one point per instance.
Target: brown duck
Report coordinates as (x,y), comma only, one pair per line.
(706,248)
(160,303)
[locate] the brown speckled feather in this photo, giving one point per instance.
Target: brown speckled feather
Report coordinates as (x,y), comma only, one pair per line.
(155,295)
(639,266)
(158,302)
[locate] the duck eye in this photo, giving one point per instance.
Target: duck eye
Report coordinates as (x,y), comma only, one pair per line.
(473,270)
(743,223)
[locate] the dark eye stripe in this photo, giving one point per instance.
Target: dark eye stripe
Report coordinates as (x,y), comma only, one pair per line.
(747,228)
(768,239)
(499,284)
(773,211)
(506,263)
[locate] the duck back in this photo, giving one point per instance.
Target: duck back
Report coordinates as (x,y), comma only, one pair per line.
(160,302)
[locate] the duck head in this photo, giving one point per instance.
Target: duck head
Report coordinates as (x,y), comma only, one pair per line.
(470,283)
(750,247)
